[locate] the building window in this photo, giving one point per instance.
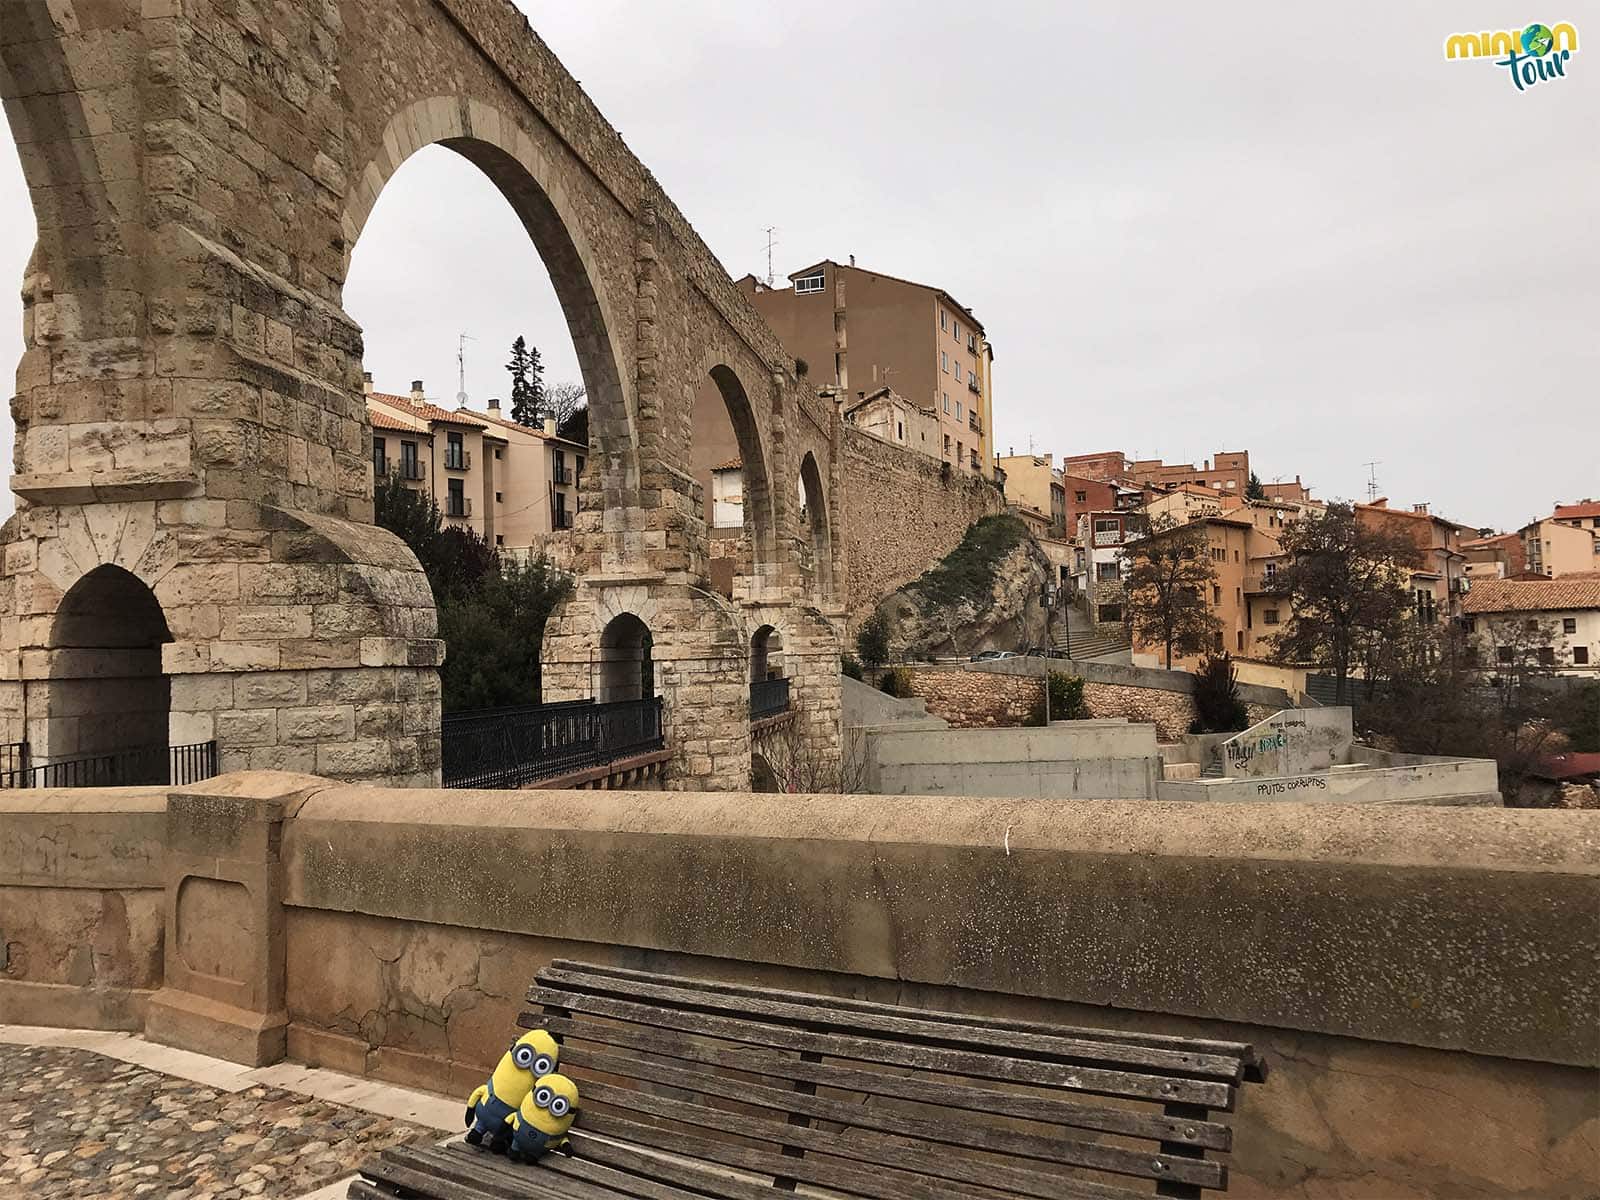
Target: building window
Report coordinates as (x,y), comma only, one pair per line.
(559,468)
(1472,624)
(1569,624)
(947,443)
(958,372)
(1269,570)
(1547,656)
(947,402)
(499,498)
(497,452)
(1080,497)
(806,284)
(455,453)
(1269,616)
(1580,656)
(1111,614)
(961,451)
(944,321)
(1216,594)
(1218,554)
(455,498)
(380,458)
(956,326)
(1241,639)
(578,470)
(499,539)
(944,362)
(408,461)
(958,410)
(1107,571)
(1503,653)
(900,430)
(560,520)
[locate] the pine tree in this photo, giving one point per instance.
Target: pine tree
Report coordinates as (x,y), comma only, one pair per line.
(1254,490)
(527,383)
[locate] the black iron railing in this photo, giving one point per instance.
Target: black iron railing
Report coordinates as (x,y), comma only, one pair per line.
(768,698)
(512,747)
(167,765)
(13,758)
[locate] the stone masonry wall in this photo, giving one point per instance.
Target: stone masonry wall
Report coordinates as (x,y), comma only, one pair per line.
(981,700)
(902,515)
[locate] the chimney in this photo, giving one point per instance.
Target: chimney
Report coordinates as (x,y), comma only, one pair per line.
(1420,508)
(366,382)
(852,260)
(494,404)
(550,426)
(416,391)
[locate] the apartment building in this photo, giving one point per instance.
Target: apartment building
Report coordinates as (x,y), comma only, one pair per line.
(1227,545)
(1097,565)
(515,487)
(1554,548)
(1033,482)
(1549,623)
(1228,472)
(1440,580)
(1585,514)
(862,330)
(1498,556)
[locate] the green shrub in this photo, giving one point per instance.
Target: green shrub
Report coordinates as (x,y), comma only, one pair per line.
(872,642)
(849,666)
(1581,720)
(1066,698)
(1218,708)
(896,681)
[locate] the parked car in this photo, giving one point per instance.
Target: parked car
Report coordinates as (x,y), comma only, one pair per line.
(986,655)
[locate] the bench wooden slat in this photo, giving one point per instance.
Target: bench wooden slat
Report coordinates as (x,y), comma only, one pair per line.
(1212,1095)
(1209,1135)
(360,1189)
(953,1131)
(699,1177)
(1184,1063)
(916,1173)
(1255,1065)
(479,1173)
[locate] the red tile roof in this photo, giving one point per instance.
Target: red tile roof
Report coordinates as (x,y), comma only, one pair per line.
(1532,595)
(382,420)
(491,419)
(1584,508)
(733,464)
(424,411)
(1568,766)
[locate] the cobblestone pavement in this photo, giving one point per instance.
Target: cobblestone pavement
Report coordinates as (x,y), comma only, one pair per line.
(78,1124)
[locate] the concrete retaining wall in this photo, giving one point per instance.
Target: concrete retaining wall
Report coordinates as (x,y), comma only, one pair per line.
(1296,741)
(1415,975)
(1087,760)
(1439,782)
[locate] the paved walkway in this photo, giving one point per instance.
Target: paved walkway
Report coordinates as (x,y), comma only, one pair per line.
(111,1116)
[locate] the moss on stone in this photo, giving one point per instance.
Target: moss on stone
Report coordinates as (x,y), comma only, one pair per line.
(967,573)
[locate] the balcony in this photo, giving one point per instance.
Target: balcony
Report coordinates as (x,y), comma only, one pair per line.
(561,520)
(1108,537)
(458,506)
(974,424)
(562,476)
(410,469)
(973,385)
(768,698)
(457,460)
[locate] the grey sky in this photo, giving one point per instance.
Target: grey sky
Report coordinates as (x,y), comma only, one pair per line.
(1294,230)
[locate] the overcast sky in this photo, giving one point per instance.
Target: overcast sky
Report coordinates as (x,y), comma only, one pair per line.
(1290,229)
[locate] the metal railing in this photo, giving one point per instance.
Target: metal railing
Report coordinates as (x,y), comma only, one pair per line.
(168,765)
(457,460)
(768,698)
(411,469)
(461,507)
(562,475)
(561,519)
(512,747)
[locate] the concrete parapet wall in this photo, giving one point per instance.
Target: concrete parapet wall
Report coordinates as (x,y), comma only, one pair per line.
(1468,781)
(1091,761)
(1415,974)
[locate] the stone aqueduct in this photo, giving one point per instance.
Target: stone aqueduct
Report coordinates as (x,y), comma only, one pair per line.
(192,446)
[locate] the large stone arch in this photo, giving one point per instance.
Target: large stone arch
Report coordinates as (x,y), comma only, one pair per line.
(199,176)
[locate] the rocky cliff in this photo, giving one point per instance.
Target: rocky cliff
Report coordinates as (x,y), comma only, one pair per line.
(984,595)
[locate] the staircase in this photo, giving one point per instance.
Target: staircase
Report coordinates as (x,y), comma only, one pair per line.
(1086,640)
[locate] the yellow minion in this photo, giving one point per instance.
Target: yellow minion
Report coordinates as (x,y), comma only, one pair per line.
(540,1125)
(492,1105)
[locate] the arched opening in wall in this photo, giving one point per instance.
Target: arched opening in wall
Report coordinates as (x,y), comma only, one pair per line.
(463,254)
(726,458)
(762,776)
(106,694)
(816,537)
(626,669)
(766,654)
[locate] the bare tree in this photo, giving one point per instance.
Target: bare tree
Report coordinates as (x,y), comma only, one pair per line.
(562,399)
(800,768)
(1348,590)
(1166,578)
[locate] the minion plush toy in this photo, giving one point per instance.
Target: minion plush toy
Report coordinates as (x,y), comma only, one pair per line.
(492,1105)
(540,1125)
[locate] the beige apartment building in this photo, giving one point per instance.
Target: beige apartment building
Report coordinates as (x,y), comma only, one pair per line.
(515,487)
(1032,481)
(862,330)
(1554,548)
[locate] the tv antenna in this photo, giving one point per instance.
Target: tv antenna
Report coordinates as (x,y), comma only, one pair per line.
(461,369)
(771,242)
(1372,479)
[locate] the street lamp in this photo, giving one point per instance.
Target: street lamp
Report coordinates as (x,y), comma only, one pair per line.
(1047,599)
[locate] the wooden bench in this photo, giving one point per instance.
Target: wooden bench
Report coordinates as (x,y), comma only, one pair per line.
(693,1088)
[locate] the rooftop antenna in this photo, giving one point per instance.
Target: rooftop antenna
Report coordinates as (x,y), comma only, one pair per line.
(771,242)
(461,369)
(1372,479)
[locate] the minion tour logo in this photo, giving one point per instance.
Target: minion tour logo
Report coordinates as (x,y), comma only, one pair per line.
(1535,54)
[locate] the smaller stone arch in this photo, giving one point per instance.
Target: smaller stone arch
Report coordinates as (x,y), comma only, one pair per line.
(815,527)
(105,690)
(766,654)
(763,777)
(626,661)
